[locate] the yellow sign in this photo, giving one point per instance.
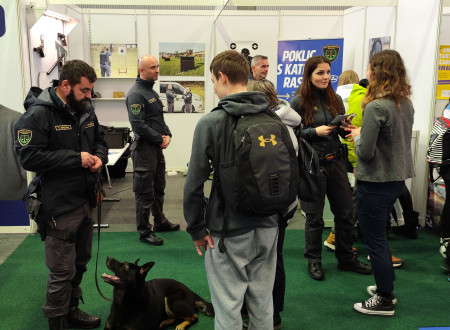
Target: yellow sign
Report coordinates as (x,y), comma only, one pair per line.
(443,87)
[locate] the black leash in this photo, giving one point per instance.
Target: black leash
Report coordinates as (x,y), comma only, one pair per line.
(99,219)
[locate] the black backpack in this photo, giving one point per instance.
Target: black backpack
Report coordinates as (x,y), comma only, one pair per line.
(258,170)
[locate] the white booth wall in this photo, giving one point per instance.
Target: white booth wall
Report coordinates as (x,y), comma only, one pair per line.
(413,26)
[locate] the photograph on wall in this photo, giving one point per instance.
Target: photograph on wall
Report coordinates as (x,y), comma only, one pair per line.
(443,87)
(114,60)
(182,96)
(181,59)
(378,44)
(292,56)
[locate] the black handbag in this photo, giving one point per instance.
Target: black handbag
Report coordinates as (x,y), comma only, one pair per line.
(311,179)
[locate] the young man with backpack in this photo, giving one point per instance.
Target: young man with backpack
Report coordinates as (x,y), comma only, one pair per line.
(240,244)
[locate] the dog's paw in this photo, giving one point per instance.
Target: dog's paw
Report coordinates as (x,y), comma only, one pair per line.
(166,323)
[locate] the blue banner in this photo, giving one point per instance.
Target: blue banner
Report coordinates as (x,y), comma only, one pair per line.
(292,56)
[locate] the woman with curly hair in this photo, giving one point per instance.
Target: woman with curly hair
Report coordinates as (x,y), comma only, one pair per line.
(383,148)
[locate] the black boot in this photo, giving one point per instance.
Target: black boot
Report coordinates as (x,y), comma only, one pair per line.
(79,319)
(409,229)
(57,323)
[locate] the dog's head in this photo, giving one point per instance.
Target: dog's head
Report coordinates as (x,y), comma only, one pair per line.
(126,274)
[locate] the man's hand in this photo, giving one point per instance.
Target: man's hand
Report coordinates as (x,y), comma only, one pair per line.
(87,160)
(97,164)
(166,141)
(204,242)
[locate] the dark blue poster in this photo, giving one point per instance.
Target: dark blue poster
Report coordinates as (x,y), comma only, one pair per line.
(292,55)
(2,22)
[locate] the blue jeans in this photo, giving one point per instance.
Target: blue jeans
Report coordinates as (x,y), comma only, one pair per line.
(375,201)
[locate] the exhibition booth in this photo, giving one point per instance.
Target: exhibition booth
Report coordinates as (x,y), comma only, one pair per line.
(41,35)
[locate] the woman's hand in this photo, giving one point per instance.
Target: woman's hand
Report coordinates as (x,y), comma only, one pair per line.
(324,130)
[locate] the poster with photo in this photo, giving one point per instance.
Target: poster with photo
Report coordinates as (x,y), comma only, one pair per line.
(177,92)
(115,60)
(378,44)
(181,59)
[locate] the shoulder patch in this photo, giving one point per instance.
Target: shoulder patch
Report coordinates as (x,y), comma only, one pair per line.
(91,124)
(135,108)
(152,100)
(24,136)
(63,127)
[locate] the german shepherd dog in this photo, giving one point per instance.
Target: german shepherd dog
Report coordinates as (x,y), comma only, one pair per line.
(154,304)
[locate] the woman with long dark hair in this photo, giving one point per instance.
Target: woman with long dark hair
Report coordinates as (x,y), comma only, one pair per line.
(318,105)
(383,148)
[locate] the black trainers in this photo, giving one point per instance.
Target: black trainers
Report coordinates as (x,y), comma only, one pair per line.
(79,319)
(356,266)
(372,290)
(167,226)
(376,305)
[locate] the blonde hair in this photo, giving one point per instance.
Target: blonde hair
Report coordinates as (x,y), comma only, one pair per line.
(348,77)
(267,87)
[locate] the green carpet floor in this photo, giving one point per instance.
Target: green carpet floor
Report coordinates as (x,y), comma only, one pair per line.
(422,289)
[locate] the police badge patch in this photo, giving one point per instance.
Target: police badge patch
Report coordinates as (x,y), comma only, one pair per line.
(24,136)
(331,52)
(135,108)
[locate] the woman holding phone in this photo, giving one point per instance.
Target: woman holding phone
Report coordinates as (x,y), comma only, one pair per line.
(318,105)
(383,148)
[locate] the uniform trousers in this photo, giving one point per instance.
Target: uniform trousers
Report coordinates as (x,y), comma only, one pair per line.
(337,188)
(245,271)
(67,260)
(375,201)
(149,182)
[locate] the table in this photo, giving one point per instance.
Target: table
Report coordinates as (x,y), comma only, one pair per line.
(113,156)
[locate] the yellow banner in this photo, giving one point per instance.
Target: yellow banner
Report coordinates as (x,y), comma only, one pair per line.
(443,87)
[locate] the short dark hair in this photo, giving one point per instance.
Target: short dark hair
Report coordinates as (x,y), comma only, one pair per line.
(233,64)
(72,71)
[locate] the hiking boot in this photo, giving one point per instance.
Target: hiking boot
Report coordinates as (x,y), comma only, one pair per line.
(355,266)
(166,226)
(315,271)
(79,319)
(396,262)
(376,305)
(152,239)
(329,242)
(57,322)
(372,290)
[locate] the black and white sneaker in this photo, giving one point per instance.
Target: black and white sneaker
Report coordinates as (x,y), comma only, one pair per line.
(372,290)
(377,305)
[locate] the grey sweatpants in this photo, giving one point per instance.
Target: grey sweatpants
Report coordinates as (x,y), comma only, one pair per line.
(245,271)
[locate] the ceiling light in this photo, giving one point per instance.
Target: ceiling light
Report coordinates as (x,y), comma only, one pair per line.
(59,16)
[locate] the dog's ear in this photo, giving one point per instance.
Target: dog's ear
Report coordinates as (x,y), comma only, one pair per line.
(145,268)
(136,262)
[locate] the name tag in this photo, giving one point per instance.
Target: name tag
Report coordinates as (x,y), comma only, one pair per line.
(63,127)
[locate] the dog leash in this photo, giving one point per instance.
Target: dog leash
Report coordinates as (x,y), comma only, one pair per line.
(99,220)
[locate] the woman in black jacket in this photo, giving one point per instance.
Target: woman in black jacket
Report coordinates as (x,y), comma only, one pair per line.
(318,105)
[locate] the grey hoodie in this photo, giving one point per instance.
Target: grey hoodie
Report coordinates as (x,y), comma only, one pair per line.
(205,149)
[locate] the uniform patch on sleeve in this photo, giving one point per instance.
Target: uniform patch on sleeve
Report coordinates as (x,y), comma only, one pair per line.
(152,100)
(91,124)
(63,127)
(135,108)
(24,136)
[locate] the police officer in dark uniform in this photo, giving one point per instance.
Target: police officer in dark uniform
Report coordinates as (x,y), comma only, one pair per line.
(105,63)
(60,139)
(145,112)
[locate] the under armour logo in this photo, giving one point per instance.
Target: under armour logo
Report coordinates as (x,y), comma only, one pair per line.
(263,140)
